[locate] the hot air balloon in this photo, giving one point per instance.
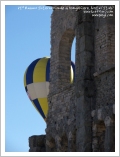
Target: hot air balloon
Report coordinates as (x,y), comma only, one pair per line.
(36,83)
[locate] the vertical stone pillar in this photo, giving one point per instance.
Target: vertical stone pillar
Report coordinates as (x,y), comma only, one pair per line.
(109,134)
(110,139)
(84,87)
(60,89)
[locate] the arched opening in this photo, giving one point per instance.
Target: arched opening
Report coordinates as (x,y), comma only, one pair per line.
(73,55)
(73,50)
(65,46)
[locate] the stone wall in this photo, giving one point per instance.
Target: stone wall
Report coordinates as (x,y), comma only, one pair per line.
(104,45)
(84,85)
(62,34)
(61,121)
(103,130)
(61,115)
(37,143)
(81,116)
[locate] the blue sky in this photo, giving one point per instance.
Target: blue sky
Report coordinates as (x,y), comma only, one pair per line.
(27,37)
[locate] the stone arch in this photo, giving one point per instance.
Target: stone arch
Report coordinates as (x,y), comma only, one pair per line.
(65,56)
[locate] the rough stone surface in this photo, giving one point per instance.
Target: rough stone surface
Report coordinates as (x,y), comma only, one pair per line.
(81,116)
(37,143)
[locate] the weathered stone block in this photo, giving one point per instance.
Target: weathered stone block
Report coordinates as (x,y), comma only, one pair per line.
(86,43)
(37,143)
(85,28)
(109,121)
(110,139)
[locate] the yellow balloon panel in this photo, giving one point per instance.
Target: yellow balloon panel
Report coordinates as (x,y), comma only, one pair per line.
(39,74)
(25,78)
(71,75)
(44,105)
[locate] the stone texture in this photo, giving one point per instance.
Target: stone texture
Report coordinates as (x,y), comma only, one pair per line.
(37,143)
(81,116)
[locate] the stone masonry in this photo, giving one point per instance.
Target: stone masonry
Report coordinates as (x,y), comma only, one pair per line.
(37,143)
(81,116)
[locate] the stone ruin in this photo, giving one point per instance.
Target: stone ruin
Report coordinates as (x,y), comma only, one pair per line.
(81,116)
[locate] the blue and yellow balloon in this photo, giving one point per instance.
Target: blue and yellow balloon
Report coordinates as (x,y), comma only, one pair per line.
(36,83)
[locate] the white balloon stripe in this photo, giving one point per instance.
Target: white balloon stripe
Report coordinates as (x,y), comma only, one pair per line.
(38,90)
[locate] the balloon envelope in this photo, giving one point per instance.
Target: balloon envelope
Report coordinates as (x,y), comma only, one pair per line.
(36,82)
